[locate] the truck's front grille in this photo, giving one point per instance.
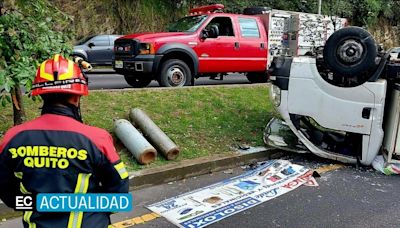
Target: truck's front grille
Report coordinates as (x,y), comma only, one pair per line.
(123,47)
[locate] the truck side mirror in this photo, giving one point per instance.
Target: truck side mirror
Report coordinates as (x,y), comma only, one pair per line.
(91,44)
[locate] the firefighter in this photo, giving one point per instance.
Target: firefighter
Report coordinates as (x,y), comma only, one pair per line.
(57,153)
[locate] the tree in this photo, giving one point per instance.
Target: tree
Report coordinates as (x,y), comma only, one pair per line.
(30,32)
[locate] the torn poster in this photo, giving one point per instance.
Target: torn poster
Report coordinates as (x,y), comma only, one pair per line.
(207,205)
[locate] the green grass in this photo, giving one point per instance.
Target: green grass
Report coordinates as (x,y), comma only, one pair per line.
(201,121)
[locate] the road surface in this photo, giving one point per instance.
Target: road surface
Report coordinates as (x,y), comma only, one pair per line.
(346,197)
(109,80)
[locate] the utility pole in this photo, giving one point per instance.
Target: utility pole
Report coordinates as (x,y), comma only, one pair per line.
(319,6)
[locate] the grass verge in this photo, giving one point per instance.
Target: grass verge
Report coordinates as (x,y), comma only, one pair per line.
(200,120)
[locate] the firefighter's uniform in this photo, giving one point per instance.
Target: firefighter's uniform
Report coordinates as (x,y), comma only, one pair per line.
(56,153)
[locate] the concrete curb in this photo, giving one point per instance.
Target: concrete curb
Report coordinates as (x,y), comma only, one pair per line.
(266,85)
(195,167)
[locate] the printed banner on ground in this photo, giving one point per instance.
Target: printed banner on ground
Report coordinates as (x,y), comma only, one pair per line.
(210,204)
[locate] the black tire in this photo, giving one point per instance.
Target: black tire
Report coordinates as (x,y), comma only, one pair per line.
(350,52)
(138,81)
(256,10)
(257,77)
(174,73)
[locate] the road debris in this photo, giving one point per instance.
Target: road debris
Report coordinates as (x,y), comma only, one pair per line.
(245,149)
(228,171)
(382,166)
(154,134)
(210,204)
(140,148)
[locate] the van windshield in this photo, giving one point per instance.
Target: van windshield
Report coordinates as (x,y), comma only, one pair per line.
(187,24)
(84,40)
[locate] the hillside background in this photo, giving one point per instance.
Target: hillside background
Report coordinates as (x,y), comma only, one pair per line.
(129,16)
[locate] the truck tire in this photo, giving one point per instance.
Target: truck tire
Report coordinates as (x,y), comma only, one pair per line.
(257,77)
(174,73)
(256,10)
(138,81)
(350,52)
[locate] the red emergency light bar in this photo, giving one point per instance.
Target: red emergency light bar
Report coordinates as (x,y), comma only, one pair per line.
(206,9)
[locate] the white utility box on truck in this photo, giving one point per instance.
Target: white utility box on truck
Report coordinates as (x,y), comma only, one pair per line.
(295,33)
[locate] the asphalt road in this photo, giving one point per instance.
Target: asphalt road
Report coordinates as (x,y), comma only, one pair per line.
(346,197)
(107,80)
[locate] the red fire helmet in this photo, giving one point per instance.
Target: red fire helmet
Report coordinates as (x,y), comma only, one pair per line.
(59,75)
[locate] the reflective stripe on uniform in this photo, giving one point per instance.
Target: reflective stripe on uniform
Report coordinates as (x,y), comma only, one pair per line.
(23,189)
(27,214)
(82,185)
(120,167)
(27,219)
(18,175)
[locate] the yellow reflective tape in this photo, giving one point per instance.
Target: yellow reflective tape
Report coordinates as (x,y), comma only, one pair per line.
(18,175)
(57,57)
(82,185)
(23,189)
(27,219)
(80,218)
(124,175)
(43,73)
(86,182)
(119,166)
(69,73)
(78,183)
(71,219)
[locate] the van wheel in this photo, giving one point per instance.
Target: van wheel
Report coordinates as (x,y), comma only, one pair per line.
(257,77)
(138,81)
(174,73)
(350,52)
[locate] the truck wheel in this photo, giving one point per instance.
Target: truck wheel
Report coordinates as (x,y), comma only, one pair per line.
(350,52)
(138,81)
(257,77)
(174,73)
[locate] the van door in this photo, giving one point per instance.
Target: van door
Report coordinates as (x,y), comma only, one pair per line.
(99,50)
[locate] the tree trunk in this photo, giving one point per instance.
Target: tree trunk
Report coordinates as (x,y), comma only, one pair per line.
(18,107)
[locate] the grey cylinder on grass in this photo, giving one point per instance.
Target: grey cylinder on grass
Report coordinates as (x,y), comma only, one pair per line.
(141,149)
(154,134)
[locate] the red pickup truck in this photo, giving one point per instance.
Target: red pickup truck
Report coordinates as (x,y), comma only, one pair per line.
(211,43)
(206,43)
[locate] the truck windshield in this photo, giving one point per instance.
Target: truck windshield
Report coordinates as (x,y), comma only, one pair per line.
(187,24)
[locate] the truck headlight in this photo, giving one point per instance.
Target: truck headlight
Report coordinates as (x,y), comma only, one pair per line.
(146,49)
(275,93)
